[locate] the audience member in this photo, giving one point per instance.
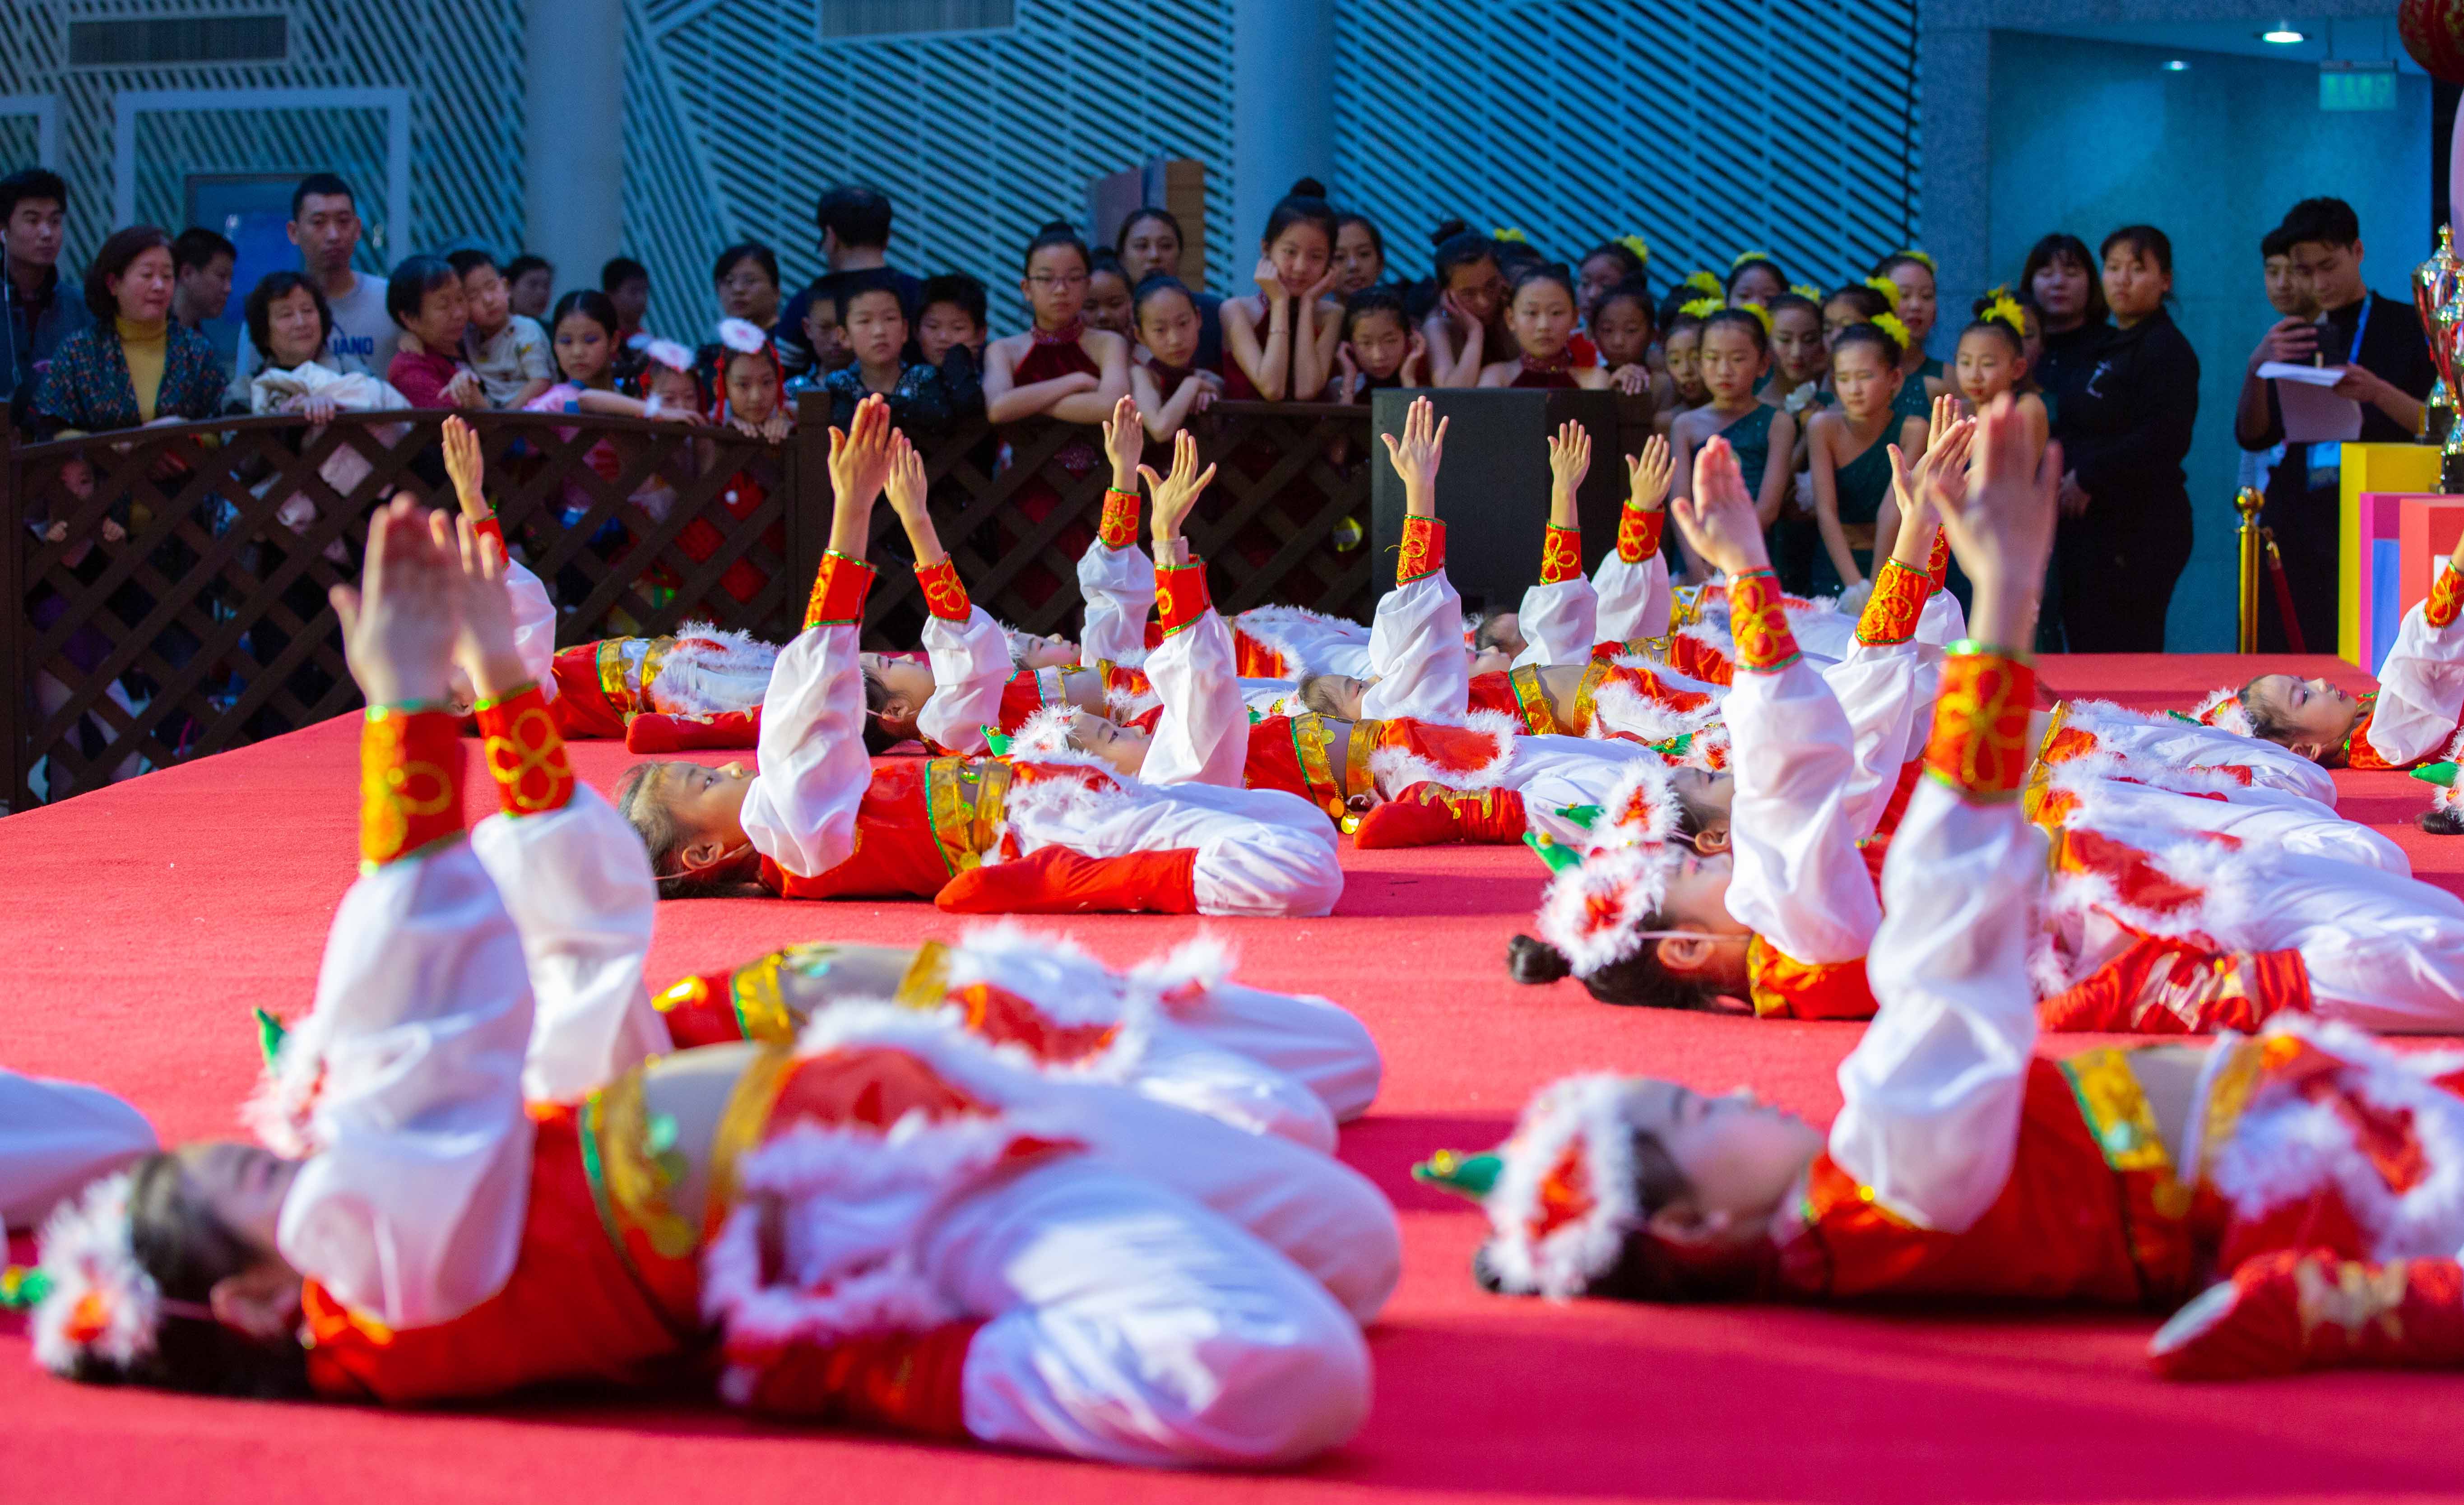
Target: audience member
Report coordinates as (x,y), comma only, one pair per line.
(1610,264)
(201,277)
(2126,529)
(1464,329)
(951,336)
(1170,385)
(1755,278)
(426,300)
(325,226)
(34,212)
(746,280)
(855,222)
(532,282)
(1360,254)
(2379,343)
(132,366)
(1280,341)
(877,336)
(1381,349)
(1108,295)
(508,351)
(626,285)
(1149,245)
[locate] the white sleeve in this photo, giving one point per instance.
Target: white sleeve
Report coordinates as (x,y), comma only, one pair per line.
(56,1136)
(1202,736)
(1633,599)
(534,625)
(412,1210)
(2420,690)
(579,888)
(1933,1090)
(970,667)
(1560,622)
(1942,623)
(1877,687)
(1416,654)
(801,810)
(1799,881)
(1119,585)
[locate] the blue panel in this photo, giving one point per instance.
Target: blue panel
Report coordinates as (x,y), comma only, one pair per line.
(2387,579)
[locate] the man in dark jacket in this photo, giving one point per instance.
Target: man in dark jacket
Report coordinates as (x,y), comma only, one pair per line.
(34,209)
(2380,343)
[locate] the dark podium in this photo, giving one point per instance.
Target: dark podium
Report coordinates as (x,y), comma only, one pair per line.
(1493,486)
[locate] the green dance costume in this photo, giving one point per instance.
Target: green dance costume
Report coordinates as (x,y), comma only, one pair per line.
(1861,484)
(1912,401)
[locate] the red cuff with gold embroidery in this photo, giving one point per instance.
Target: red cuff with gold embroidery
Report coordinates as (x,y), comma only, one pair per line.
(1181,596)
(838,592)
(1980,724)
(944,596)
(2446,598)
(1891,612)
(1119,528)
(1561,556)
(1424,549)
(1758,619)
(1938,562)
(411,783)
(1639,533)
(525,754)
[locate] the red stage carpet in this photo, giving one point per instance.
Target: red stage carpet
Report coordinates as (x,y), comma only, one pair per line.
(145,920)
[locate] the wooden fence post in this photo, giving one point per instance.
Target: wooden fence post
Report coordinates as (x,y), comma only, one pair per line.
(16,684)
(808,493)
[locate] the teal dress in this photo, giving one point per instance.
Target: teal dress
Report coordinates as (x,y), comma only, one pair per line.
(1861,485)
(1750,437)
(1912,402)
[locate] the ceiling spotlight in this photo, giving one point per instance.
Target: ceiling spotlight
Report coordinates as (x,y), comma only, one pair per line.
(2283,36)
(2177,66)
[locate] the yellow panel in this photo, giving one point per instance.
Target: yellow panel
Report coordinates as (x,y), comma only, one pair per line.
(2370,468)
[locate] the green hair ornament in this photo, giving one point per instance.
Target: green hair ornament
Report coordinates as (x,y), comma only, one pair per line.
(270,1032)
(1465,1175)
(994,740)
(2443,775)
(1556,852)
(22,1287)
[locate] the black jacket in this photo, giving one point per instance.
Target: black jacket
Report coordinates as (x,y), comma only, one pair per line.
(2392,347)
(2128,428)
(2063,368)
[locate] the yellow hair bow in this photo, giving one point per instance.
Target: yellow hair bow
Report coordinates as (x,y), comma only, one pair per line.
(1641,248)
(1914,254)
(1700,307)
(1886,286)
(1807,291)
(1744,256)
(1509,233)
(1703,280)
(1760,312)
(1889,325)
(2005,310)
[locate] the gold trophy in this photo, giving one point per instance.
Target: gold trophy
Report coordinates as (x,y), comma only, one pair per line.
(2446,353)
(2439,295)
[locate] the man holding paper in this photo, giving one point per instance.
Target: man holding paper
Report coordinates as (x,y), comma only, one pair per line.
(2375,369)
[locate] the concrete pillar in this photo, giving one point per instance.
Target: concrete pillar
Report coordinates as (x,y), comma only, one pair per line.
(574,160)
(1283,112)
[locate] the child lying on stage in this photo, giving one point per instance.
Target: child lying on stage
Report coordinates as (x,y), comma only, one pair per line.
(1029,1260)
(2293,1168)
(1052,835)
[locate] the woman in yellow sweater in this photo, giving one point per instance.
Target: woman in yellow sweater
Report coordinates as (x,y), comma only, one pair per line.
(133,366)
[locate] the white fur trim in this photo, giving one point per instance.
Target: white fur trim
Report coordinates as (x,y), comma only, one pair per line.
(1286,630)
(741,336)
(1640,809)
(672,356)
(1588,1115)
(86,1253)
(1187,972)
(1591,912)
(1068,800)
(2223,709)
(282,1111)
(1619,709)
(1046,730)
(1396,769)
(1126,705)
(1065,985)
(710,672)
(2287,1149)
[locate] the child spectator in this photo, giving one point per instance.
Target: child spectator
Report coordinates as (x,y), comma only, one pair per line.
(427,303)
(876,335)
(1799,358)
(1280,344)
(1464,329)
(585,358)
(824,334)
(746,280)
(1610,264)
(1755,278)
(1735,352)
(507,351)
(1360,254)
(1909,274)
(1684,351)
(1993,359)
(1620,328)
(201,277)
(533,284)
(1170,385)
(1857,303)
(749,384)
(1381,348)
(1108,295)
(1541,317)
(626,285)
(1850,449)
(950,334)
(1149,245)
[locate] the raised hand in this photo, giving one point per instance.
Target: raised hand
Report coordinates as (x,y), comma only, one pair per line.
(906,485)
(859,469)
(2001,525)
(1176,495)
(484,647)
(1270,282)
(1124,437)
(1719,520)
(1647,475)
(1947,411)
(1415,456)
(399,626)
(1570,457)
(465,468)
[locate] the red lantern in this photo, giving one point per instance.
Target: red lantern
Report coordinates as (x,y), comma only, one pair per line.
(2433,33)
